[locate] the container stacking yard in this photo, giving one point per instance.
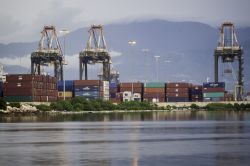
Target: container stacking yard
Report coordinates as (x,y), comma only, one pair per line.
(39,88)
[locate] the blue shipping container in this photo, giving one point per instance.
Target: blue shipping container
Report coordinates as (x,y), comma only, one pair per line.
(214,84)
(68,85)
(112,85)
(86,88)
(196,92)
(87,94)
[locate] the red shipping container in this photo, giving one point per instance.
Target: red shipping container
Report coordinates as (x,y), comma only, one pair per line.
(152,95)
(177,90)
(131,84)
(178,85)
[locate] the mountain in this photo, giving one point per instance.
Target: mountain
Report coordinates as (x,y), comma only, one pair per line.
(185,50)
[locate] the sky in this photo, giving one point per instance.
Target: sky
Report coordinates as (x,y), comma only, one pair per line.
(22,20)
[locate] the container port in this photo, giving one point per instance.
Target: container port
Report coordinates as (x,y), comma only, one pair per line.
(39,88)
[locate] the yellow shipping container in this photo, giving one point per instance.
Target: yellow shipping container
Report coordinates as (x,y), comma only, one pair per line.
(67,94)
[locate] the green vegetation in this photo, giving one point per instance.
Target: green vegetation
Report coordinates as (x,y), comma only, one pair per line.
(194,106)
(43,107)
(3,105)
(81,104)
(15,104)
(229,107)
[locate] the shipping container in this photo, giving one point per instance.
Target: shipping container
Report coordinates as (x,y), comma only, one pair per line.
(213,99)
(205,90)
(87,82)
(78,88)
(68,94)
(87,94)
(113,85)
(113,90)
(130,85)
(213,94)
(68,85)
(196,92)
(154,85)
(136,97)
(177,99)
(134,89)
(178,84)
(154,90)
(177,90)
(214,85)
(18,98)
(153,95)
(62,98)
(185,95)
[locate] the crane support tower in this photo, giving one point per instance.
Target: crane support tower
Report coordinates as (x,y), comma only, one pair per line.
(48,53)
(114,75)
(95,52)
(229,50)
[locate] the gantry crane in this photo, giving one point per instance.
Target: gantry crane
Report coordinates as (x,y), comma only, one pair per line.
(95,52)
(48,52)
(229,50)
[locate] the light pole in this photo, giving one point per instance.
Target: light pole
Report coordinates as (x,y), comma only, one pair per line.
(132,43)
(156,66)
(145,50)
(157,74)
(64,32)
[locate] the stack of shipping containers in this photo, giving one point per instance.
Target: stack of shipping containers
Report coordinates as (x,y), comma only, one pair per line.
(154,92)
(113,92)
(131,91)
(68,85)
(91,89)
(213,91)
(177,92)
(29,88)
(196,93)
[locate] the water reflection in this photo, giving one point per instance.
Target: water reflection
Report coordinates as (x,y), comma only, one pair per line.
(130,116)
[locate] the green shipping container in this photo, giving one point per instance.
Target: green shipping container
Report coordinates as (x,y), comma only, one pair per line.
(154,85)
(18,98)
(213,94)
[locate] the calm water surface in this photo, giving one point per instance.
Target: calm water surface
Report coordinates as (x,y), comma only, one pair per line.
(153,138)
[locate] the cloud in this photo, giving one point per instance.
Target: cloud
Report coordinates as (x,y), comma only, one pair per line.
(23,61)
(115,53)
(23,20)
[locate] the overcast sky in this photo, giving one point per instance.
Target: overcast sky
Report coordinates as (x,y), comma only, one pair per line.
(22,20)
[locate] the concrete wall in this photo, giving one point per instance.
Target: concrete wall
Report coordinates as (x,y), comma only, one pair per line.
(201,104)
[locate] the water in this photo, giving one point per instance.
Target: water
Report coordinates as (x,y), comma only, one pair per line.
(155,138)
